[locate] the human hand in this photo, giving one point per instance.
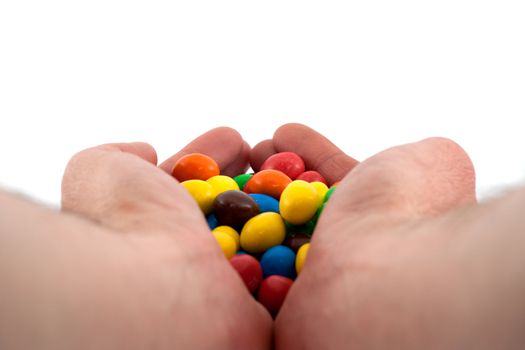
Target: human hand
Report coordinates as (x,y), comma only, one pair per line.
(142,272)
(401,257)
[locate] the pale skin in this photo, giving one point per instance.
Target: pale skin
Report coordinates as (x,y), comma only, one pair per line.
(402,258)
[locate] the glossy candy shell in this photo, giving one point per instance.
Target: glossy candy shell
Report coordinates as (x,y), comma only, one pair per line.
(242,179)
(288,162)
(296,241)
(234,208)
(301,257)
(279,260)
(270,182)
(249,269)
(226,242)
(195,166)
(272,292)
(311,176)
(299,202)
(262,232)
(266,203)
(202,192)
(222,183)
(230,232)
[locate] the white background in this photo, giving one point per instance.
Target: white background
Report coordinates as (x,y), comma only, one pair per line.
(74,74)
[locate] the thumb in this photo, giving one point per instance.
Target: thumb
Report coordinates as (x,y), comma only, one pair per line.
(119,186)
(425,178)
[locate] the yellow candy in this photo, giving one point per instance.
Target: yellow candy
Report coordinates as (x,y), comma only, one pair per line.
(301,257)
(230,231)
(202,192)
(299,202)
(321,189)
(226,242)
(263,231)
(222,183)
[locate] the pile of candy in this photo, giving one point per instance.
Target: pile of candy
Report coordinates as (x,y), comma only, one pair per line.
(263,221)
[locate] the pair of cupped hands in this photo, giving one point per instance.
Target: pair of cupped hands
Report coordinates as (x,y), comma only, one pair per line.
(150,274)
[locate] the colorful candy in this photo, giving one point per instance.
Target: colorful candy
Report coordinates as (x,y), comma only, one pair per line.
(262,222)
(278,260)
(301,257)
(287,162)
(234,208)
(221,183)
(242,180)
(265,202)
(202,192)
(262,232)
(230,231)
(296,241)
(299,202)
(249,269)
(226,242)
(270,182)
(273,291)
(311,176)
(195,166)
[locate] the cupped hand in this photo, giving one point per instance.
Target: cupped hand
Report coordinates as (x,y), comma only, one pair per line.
(373,278)
(187,295)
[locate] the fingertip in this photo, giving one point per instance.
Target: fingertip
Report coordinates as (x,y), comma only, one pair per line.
(239,164)
(223,144)
(318,152)
(456,162)
(289,130)
(142,149)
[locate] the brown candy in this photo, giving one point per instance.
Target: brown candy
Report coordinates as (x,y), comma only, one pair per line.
(296,241)
(234,208)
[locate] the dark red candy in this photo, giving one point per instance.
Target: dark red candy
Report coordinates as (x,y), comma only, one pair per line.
(234,208)
(249,269)
(287,162)
(296,241)
(311,176)
(272,292)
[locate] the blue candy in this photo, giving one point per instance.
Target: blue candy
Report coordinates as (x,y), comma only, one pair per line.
(266,203)
(212,221)
(279,260)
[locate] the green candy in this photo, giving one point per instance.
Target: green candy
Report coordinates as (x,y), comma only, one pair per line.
(318,213)
(242,180)
(329,194)
(306,229)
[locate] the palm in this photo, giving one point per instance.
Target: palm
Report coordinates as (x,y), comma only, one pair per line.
(189,283)
(362,233)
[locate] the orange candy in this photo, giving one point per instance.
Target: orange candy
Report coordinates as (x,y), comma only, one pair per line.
(195,166)
(269,181)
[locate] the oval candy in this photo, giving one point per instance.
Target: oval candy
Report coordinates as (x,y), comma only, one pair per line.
(195,166)
(288,162)
(233,208)
(299,202)
(270,182)
(262,232)
(265,202)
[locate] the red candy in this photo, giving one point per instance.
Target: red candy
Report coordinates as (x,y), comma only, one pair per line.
(273,291)
(311,176)
(287,162)
(195,166)
(249,269)
(269,181)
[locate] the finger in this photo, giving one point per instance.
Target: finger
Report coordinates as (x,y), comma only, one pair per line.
(119,186)
(425,178)
(260,153)
(224,145)
(317,151)
(240,163)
